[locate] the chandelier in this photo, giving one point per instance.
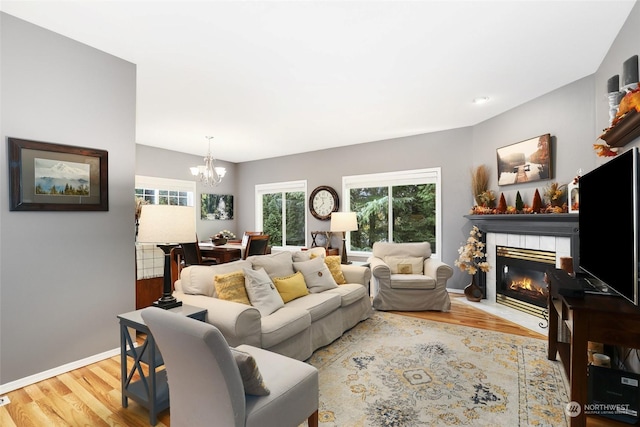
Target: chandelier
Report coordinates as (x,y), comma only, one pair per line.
(209,174)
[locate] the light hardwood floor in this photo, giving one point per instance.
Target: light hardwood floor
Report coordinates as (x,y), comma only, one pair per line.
(90,396)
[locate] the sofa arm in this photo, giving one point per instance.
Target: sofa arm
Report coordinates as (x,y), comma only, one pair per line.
(438,270)
(239,323)
(380,275)
(356,274)
(379,269)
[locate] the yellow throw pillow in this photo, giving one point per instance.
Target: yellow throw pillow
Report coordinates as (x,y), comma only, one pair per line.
(291,287)
(335,267)
(230,287)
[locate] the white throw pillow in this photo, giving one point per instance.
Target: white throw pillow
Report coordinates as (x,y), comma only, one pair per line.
(198,279)
(276,265)
(404,264)
(316,274)
(262,292)
(317,251)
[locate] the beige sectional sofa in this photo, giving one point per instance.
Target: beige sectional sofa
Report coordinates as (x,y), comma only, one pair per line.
(296,328)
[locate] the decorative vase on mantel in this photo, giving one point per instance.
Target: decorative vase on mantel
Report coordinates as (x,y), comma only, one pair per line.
(472,291)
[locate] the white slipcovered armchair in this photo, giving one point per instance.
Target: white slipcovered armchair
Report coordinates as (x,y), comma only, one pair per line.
(404,277)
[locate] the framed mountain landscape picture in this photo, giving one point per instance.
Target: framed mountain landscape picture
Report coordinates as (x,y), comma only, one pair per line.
(54,177)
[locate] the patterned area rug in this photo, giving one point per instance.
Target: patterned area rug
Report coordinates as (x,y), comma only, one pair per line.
(397,371)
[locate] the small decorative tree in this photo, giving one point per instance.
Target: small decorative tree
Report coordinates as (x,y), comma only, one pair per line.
(536,206)
(502,204)
(519,202)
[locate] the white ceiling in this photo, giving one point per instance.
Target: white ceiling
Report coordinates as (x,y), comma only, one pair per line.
(270,78)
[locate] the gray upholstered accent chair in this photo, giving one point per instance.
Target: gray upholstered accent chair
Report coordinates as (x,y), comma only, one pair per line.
(208,385)
(404,277)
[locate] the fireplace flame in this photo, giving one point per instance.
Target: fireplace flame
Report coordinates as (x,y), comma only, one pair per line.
(526,284)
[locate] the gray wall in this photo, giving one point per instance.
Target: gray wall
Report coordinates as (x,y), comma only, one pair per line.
(151,161)
(626,44)
(566,113)
(327,167)
(64,276)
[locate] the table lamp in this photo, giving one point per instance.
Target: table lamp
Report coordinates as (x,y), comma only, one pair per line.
(344,222)
(167,227)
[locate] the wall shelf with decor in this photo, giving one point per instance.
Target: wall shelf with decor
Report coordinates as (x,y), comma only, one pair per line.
(626,130)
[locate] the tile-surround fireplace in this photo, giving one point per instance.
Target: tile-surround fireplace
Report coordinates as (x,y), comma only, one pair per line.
(550,236)
(520,274)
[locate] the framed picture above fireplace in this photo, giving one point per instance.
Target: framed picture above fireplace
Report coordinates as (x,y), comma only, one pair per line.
(525,161)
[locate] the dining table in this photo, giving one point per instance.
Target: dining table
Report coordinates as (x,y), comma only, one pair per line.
(222,253)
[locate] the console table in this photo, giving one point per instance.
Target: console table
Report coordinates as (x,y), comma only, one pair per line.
(152,390)
(575,321)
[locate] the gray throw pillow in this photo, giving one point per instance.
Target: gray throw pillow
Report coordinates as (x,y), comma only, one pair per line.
(261,291)
(251,377)
(316,274)
(276,265)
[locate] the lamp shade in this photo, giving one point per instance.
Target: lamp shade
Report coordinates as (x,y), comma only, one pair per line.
(344,221)
(164,224)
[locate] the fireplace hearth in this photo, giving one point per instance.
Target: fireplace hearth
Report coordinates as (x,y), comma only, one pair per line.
(520,280)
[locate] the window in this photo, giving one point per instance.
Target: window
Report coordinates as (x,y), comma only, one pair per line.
(280,212)
(163,191)
(395,207)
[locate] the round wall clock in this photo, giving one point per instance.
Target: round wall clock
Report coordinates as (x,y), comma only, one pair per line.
(322,201)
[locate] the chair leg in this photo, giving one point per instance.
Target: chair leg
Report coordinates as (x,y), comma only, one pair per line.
(313,419)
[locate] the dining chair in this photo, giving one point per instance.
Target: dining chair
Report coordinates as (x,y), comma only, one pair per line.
(192,255)
(256,245)
(245,236)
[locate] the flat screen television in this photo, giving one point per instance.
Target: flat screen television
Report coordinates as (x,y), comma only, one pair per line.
(608,224)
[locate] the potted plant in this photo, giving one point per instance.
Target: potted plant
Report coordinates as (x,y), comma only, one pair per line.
(471,260)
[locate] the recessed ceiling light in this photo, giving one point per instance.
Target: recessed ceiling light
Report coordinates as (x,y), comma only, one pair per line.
(481,100)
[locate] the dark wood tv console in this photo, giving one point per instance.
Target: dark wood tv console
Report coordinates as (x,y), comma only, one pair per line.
(573,322)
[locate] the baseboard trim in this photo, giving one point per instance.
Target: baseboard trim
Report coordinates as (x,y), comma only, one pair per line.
(32,379)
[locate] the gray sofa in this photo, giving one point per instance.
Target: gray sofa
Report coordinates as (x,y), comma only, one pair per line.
(297,328)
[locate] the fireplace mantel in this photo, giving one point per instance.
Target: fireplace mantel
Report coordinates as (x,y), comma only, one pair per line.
(558,225)
(539,224)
